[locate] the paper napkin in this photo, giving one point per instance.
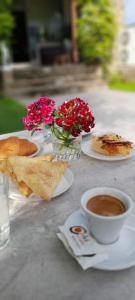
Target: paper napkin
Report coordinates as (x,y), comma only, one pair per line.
(82,246)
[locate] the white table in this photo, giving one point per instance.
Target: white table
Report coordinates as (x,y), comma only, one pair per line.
(37,267)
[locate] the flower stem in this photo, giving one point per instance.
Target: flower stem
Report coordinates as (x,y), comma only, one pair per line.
(62,135)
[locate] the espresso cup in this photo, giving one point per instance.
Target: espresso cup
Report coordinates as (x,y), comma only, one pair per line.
(106,229)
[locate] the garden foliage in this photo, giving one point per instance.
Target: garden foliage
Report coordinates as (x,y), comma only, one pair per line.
(6,20)
(96,30)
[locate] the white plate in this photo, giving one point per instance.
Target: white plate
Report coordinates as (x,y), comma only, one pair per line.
(65,183)
(122,253)
(63,186)
(86,148)
(38,149)
(85,133)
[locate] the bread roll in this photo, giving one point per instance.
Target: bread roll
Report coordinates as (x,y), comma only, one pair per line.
(16,146)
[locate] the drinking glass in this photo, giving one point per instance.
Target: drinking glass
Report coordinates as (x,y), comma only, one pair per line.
(4,212)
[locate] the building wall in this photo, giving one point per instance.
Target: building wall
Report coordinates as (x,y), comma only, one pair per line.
(124,52)
(127,46)
(119,14)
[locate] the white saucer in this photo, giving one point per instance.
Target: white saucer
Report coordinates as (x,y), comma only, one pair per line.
(122,253)
(86,148)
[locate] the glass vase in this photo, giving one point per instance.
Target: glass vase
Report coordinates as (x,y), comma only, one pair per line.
(46,132)
(67,151)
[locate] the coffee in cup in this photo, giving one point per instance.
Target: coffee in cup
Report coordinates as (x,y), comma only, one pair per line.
(106,219)
(106,205)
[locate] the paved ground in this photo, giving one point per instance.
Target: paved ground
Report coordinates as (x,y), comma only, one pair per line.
(112,109)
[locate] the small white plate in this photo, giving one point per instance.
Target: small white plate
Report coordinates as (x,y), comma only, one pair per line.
(86,148)
(65,183)
(63,186)
(85,133)
(38,149)
(122,253)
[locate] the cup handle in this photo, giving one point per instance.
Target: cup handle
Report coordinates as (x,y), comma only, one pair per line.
(85,217)
(83,214)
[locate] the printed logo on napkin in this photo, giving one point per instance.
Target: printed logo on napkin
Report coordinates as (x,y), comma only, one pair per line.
(82,246)
(84,261)
(80,241)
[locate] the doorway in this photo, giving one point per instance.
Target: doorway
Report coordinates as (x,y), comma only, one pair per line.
(19,41)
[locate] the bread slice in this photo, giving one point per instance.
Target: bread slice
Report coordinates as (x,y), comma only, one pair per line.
(7,168)
(111,144)
(41,177)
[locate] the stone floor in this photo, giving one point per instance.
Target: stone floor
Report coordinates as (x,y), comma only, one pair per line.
(112,109)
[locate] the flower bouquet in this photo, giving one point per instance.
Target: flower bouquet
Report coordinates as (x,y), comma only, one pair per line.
(65,122)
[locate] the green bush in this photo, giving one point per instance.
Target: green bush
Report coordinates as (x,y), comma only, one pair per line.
(115,77)
(6,25)
(6,20)
(11,113)
(96,30)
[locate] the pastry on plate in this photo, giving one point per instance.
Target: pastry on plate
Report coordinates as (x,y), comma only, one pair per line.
(111,144)
(38,176)
(7,168)
(16,146)
(42,177)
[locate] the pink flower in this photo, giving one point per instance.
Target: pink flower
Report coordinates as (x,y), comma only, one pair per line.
(49,120)
(39,112)
(27,123)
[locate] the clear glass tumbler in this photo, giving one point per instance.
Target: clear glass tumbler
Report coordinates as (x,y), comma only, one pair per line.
(4,212)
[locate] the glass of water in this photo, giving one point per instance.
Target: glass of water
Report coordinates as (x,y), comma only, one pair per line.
(4,212)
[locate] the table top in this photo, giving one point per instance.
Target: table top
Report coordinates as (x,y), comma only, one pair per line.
(36,266)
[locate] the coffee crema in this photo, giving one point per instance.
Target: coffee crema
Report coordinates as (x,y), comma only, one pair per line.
(106,205)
